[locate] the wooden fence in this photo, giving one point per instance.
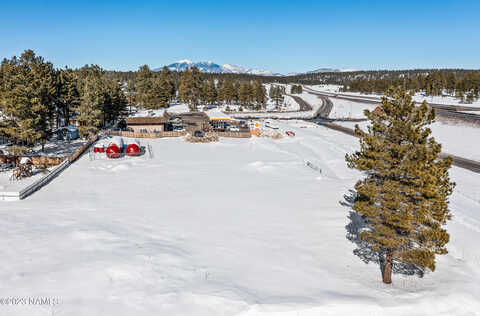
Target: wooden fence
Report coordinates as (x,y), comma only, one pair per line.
(82,149)
(18,195)
(147,135)
(234,134)
(174,134)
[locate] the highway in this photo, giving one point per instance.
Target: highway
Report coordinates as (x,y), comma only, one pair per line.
(442,110)
(460,162)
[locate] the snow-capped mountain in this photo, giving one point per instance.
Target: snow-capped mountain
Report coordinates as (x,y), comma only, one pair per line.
(211,67)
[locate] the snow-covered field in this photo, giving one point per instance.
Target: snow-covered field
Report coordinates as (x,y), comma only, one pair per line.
(418,97)
(348,109)
(8,185)
(456,139)
(238,227)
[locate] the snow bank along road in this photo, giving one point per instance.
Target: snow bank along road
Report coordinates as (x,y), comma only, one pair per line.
(445,110)
(238,227)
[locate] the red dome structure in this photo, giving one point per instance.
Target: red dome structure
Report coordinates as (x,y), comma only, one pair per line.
(99,147)
(133,148)
(115,147)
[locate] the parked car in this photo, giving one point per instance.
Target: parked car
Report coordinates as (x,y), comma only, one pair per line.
(178,128)
(233,129)
(198,134)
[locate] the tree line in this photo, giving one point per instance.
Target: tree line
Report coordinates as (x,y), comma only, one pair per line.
(466,88)
(296,89)
(152,90)
(36,98)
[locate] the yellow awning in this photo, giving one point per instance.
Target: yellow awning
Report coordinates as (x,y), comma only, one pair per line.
(220,119)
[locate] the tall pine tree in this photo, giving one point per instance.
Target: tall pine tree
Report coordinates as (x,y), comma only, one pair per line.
(404,195)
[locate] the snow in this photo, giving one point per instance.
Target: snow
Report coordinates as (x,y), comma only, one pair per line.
(311,99)
(178,108)
(217,114)
(236,227)
(54,147)
(348,109)
(418,97)
(7,185)
(150,113)
(456,139)
(211,67)
(290,104)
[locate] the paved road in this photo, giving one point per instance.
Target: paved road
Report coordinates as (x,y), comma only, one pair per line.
(304,106)
(443,110)
(460,162)
(326,108)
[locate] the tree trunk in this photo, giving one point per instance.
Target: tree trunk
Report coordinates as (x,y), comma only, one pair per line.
(387,269)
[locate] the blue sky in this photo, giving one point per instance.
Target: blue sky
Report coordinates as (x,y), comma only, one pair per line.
(282,36)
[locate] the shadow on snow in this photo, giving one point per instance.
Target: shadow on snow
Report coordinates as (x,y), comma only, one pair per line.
(356,225)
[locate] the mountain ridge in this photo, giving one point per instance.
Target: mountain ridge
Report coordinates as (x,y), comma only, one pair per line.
(211,67)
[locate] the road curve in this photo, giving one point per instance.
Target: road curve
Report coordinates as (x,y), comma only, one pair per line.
(443,110)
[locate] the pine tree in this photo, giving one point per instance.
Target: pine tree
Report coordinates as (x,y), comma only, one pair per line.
(236,91)
(460,95)
(470,97)
(228,91)
(204,92)
(190,87)
(276,94)
(245,93)
(115,102)
(451,82)
(90,108)
(167,85)
(211,91)
(143,86)
(260,94)
(220,96)
(68,96)
(27,98)
(404,196)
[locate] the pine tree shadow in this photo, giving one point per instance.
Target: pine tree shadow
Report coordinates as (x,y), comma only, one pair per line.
(368,255)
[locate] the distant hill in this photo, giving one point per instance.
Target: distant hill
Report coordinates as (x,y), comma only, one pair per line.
(321,70)
(211,67)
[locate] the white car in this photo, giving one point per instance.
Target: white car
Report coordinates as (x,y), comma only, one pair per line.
(233,129)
